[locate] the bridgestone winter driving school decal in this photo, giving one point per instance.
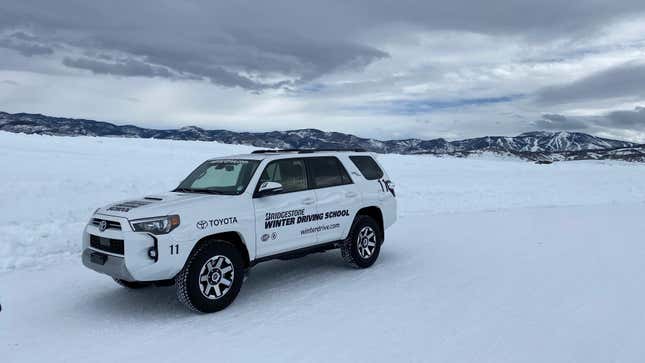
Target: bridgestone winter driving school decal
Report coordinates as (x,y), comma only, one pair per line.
(203,224)
(297,216)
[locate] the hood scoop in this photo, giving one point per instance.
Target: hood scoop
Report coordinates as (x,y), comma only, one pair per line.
(153,198)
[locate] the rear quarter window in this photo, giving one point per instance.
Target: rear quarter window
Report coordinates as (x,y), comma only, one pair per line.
(367,166)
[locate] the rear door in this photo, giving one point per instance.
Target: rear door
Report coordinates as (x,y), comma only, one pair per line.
(337,197)
(281,218)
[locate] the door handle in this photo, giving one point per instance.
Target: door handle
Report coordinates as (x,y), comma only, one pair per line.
(308,201)
(351,194)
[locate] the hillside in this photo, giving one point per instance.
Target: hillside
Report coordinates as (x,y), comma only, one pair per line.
(539,145)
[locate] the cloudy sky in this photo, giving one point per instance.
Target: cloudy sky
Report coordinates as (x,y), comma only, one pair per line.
(385,69)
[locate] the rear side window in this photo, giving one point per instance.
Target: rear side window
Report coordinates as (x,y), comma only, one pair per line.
(367,166)
(327,172)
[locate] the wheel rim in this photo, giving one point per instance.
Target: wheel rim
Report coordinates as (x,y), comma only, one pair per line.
(216,277)
(366,242)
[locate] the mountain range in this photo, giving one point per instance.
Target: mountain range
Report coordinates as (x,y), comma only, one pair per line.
(544,146)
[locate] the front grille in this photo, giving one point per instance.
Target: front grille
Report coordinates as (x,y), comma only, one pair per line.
(107,244)
(110,224)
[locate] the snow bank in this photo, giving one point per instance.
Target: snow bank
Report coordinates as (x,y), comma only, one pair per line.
(50,185)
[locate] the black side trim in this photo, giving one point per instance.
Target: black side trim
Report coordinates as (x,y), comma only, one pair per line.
(387,185)
(155,246)
(301,252)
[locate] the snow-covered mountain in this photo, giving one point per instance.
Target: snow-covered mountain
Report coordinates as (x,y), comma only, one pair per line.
(538,145)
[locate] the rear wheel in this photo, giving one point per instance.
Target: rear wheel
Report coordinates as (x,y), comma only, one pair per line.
(212,277)
(363,245)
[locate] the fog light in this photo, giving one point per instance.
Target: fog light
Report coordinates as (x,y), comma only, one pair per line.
(152,253)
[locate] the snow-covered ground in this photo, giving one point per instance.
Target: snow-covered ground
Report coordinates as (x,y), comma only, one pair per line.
(50,185)
(492,260)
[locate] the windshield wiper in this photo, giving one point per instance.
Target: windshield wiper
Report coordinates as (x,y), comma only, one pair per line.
(210,191)
(183,190)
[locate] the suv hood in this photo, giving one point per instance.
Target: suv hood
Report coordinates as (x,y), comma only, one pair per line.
(152,205)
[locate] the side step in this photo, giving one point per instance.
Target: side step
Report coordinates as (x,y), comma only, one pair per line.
(301,252)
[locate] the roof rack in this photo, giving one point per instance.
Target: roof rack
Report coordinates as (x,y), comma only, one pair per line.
(303,151)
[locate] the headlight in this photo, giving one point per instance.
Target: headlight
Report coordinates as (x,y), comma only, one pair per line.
(156,225)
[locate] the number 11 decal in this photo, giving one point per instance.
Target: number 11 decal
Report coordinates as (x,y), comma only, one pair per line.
(174,249)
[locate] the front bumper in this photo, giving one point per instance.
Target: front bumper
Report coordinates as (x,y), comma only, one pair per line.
(134,263)
(114,266)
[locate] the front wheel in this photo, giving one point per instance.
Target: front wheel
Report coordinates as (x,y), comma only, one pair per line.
(212,277)
(363,245)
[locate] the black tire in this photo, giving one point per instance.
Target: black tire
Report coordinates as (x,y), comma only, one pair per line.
(131,284)
(353,247)
(190,286)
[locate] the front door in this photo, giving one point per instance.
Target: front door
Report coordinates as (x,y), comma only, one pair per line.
(282,219)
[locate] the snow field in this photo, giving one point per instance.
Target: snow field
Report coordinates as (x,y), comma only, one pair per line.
(492,260)
(51,185)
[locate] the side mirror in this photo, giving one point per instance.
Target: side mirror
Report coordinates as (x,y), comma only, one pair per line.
(268,188)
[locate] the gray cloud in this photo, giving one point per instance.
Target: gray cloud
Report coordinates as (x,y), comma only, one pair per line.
(25,44)
(625,80)
(619,122)
(10,82)
(257,47)
(559,123)
(269,44)
(450,63)
(126,67)
(627,119)
(136,68)
(239,58)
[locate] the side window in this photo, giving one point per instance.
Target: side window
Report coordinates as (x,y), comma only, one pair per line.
(367,166)
(327,172)
(288,172)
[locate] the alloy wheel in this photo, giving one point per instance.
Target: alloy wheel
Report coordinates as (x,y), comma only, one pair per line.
(366,242)
(216,277)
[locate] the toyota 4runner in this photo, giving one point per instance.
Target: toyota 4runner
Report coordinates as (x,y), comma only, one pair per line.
(234,212)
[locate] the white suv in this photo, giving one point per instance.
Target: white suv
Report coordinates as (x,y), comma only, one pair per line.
(232,213)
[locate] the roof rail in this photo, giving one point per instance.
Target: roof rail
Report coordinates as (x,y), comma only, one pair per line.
(303,151)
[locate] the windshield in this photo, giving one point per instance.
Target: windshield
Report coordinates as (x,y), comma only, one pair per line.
(224,176)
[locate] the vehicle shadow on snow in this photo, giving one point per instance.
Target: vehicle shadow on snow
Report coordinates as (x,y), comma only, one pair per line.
(280,283)
(146,303)
(267,283)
